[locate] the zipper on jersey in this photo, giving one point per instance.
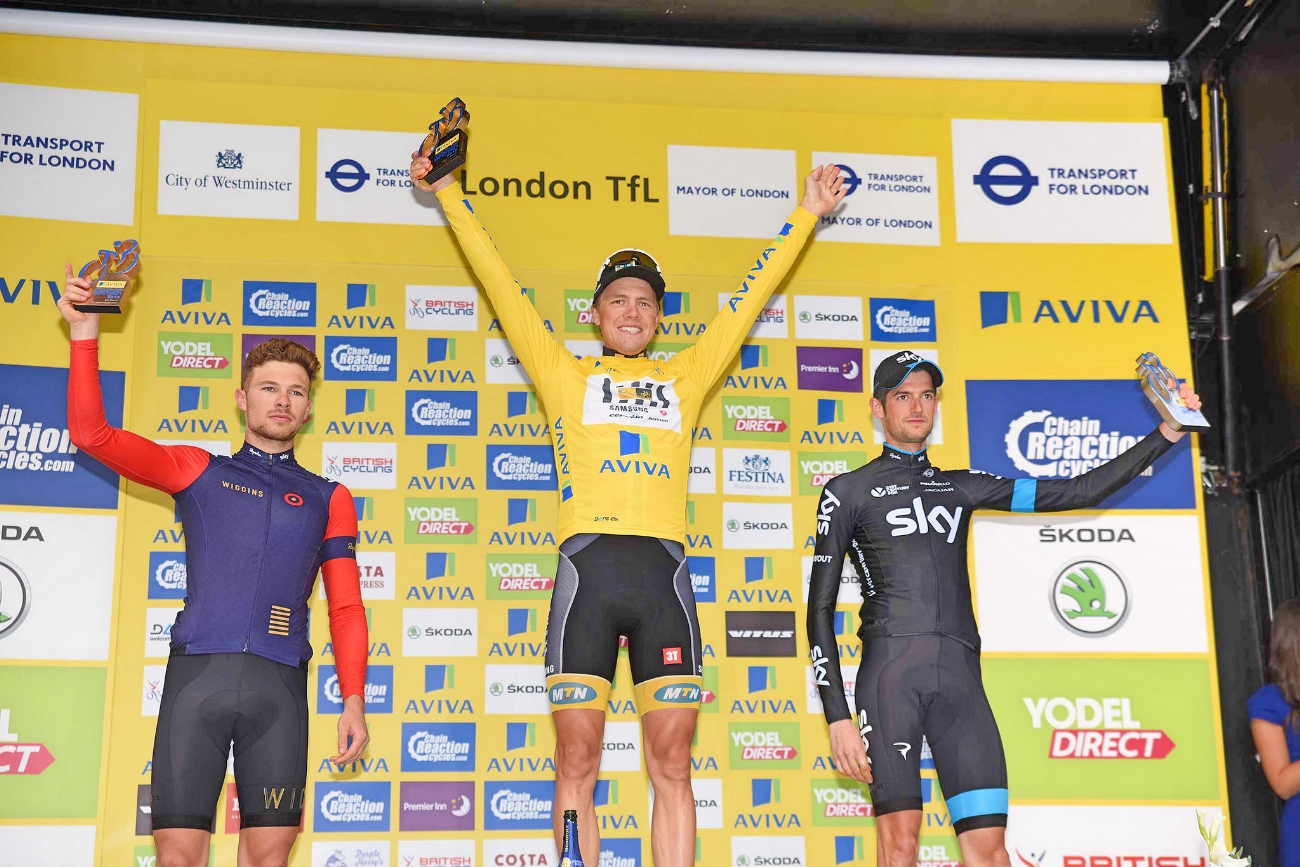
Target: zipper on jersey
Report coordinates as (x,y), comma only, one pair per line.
(266,536)
(934,563)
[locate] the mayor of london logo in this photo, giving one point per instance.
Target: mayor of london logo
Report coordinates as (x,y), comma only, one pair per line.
(228,159)
(15,597)
(1090,598)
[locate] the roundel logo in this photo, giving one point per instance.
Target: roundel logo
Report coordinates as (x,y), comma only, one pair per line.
(347,176)
(293,499)
(1090,597)
(15,597)
(1019,181)
(851,181)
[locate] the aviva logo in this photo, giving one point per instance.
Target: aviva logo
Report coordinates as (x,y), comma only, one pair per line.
(520,621)
(763,792)
(439,677)
(190,398)
(844,623)
(440,349)
(758,569)
(520,735)
(520,403)
(606,792)
(633,444)
(520,510)
(848,849)
(761,678)
(830,411)
(358,400)
(1003,308)
(752,356)
(439,565)
(195,291)
(361,295)
(365,508)
(676,303)
(440,455)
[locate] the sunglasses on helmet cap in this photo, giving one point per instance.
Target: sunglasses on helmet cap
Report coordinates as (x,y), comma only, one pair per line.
(630,262)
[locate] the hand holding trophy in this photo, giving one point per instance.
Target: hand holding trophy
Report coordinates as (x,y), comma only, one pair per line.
(1161,387)
(443,149)
(111,276)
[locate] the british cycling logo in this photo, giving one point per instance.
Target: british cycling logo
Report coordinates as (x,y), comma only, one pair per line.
(279,303)
(369,359)
(1043,429)
(39,465)
(442,308)
(899,320)
(348,806)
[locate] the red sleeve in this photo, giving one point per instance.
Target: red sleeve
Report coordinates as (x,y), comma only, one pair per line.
(342,579)
(167,468)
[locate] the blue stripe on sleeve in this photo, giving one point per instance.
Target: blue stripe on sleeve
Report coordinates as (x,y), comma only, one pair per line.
(977,802)
(338,547)
(1022,497)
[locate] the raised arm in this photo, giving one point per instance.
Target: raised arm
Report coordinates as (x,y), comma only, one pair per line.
(167,468)
(537,349)
(711,355)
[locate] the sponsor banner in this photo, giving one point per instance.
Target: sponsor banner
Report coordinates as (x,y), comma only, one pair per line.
(703,477)
(723,192)
(350,806)
(195,356)
(71,846)
(167,575)
(828,317)
(68,154)
(760,633)
(438,853)
(56,585)
(773,322)
(1043,836)
(850,587)
(1039,182)
(841,803)
(1024,309)
(878,432)
(1044,429)
(888,199)
(521,468)
(518,805)
(758,525)
(818,468)
(254,172)
(625,852)
(521,576)
(503,366)
(520,852)
(768,850)
(361,359)
(704,578)
(902,320)
(378,574)
(632,403)
(829,368)
(755,472)
(51,733)
(763,419)
(452,521)
(438,747)
(360,466)
(362,176)
(622,747)
(439,632)
(157,630)
(151,689)
(442,308)
(378,689)
(353,853)
(442,413)
(1103,584)
(813,697)
(437,806)
(515,689)
(280,304)
(1131,729)
(39,465)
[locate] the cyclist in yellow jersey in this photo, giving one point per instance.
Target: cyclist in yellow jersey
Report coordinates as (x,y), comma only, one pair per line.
(621,426)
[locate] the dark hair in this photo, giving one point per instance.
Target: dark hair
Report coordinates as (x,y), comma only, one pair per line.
(1284,655)
(279,349)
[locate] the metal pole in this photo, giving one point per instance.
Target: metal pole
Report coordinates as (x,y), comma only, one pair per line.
(1223,279)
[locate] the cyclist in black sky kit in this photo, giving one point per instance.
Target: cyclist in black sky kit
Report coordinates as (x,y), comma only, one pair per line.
(903,524)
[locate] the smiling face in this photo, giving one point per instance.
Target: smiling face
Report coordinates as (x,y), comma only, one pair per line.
(276,400)
(907,412)
(627,314)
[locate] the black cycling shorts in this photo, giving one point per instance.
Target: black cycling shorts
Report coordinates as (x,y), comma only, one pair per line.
(210,701)
(930,685)
(635,586)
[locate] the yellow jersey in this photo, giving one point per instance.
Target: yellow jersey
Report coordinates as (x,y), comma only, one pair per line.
(622,427)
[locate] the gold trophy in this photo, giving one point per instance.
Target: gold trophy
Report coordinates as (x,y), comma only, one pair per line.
(113,273)
(1155,383)
(445,145)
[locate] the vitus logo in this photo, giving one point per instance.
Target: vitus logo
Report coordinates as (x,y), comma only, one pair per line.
(915,519)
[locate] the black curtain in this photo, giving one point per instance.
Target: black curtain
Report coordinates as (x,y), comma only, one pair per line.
(1278,511)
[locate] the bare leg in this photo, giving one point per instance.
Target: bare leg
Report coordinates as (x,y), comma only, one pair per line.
(267,846)
(578,734)
(898,835)
(181,847)
(984,847)
(668,735)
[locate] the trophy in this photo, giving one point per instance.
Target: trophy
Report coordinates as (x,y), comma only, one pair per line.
(1155,382)
(445,145)
(113,273)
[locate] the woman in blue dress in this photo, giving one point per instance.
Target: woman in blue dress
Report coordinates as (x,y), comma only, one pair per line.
(1275,725)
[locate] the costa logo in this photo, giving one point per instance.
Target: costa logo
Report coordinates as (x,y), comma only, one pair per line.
(293,499)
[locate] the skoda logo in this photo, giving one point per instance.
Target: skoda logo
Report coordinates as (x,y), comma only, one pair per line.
(849,179)
(413,632)
(1022,182)
(347,176)
(1089,597)
(15,597)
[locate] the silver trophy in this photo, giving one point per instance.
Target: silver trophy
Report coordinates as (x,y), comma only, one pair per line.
(1155,382)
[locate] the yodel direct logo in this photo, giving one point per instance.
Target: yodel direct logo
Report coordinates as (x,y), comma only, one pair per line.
(1090,728)
(194,355)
